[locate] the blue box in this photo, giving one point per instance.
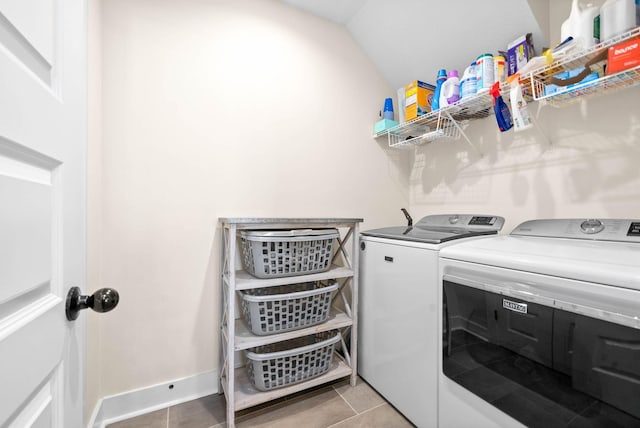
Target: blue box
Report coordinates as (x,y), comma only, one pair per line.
(552,89)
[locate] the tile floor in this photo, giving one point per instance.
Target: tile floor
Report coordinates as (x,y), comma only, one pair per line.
(336,405)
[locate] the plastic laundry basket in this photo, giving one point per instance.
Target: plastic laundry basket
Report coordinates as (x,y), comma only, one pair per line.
(279,253)
(283,308)
(291,361)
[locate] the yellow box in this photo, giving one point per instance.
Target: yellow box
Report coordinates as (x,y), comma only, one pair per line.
(418,97)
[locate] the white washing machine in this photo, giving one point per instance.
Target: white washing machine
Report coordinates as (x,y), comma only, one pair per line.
(541,328)
(398,306)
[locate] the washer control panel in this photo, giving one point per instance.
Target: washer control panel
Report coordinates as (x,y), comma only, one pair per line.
(471,222)
(622,230)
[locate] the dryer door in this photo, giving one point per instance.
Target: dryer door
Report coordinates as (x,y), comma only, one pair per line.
(519,343)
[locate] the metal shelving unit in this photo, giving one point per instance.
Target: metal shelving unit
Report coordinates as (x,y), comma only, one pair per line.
(538,79)
(235,336)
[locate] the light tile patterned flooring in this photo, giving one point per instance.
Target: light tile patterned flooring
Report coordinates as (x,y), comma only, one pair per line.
(336,405)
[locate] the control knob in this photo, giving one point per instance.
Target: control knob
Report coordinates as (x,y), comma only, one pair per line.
(591,226)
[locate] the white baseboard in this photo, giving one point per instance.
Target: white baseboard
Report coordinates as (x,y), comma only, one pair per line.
(128,404)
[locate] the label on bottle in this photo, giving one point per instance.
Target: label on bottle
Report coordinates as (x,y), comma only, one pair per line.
(499,70)
(484,72)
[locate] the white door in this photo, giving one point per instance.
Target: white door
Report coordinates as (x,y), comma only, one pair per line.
(42,210)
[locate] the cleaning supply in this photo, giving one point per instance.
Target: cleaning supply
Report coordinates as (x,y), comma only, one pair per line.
(484,72)
(581,25)
(503,115)
(519,52)
(623,56)
(589,26)
(418,99)
(442,77)
(450,91)
(469,82)
(388,109)
(567,27)
(616,17)
(521,118)
(499,69)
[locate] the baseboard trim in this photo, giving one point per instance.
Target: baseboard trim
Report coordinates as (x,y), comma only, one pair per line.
(133,403)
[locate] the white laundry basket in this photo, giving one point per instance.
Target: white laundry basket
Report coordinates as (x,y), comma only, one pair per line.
(292,361)
(280,253)
(288,307)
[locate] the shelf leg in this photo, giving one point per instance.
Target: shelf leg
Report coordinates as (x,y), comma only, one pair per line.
(227,325)
(354,304)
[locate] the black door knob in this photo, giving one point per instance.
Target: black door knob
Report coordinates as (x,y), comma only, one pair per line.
(102,300)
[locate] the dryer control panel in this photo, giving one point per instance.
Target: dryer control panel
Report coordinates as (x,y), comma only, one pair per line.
(619,230)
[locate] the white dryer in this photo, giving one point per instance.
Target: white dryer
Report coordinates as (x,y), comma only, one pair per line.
(398,306)
(541,328)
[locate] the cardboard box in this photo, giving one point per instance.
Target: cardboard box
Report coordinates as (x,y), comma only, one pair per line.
(623,56)
(418,96)
(519,52)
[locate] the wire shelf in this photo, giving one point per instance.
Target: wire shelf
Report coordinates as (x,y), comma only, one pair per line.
(538,79)
(424,129)
(608,84)
(477,106)
(443,123)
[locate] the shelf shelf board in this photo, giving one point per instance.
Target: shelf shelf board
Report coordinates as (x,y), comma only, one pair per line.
(251,223)
(247,396)
(245,339)
(245,281)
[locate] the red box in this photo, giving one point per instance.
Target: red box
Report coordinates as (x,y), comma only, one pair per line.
(623,56)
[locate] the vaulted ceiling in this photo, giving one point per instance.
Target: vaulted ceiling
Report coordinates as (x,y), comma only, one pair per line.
(411,39)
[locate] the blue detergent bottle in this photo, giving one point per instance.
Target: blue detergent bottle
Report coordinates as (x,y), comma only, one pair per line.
(501,110)
(442,77)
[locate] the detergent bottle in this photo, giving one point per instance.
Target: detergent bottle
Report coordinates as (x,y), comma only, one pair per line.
(580,25)
(450,91)
(442,77)
(469,82)
(616,17)
(501,110)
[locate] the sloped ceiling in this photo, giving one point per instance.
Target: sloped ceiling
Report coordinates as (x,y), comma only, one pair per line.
(411,39)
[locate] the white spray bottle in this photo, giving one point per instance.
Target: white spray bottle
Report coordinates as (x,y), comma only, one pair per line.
(519,111)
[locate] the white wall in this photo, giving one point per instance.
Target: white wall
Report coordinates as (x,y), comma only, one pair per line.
(220,109)
(589,169)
